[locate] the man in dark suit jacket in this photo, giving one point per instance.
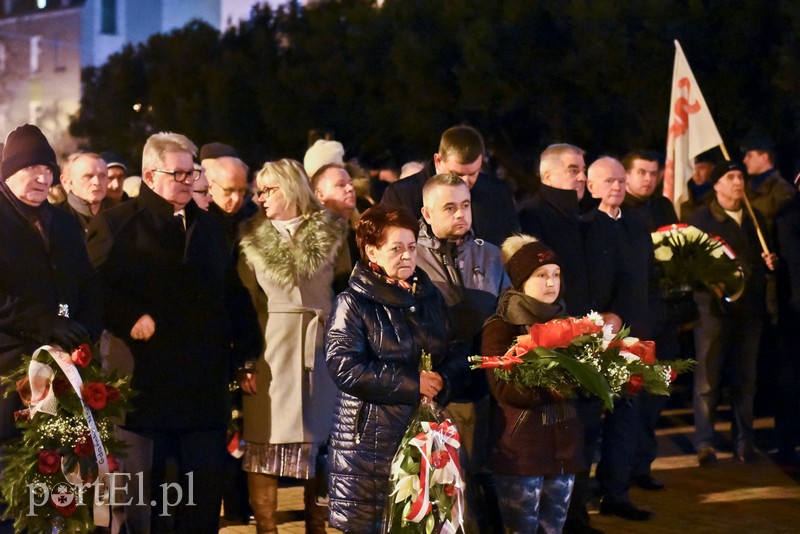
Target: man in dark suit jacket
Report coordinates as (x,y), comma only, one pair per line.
(48,289)
(167,281)
(461,152)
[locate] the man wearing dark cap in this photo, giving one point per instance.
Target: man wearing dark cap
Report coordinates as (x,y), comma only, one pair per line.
(701,191)
(766,188)
(726,340)
(48,290)
(117,172)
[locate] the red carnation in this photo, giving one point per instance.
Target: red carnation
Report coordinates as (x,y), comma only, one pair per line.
(449,490)
(49,462)
(94,393)
(112,394)
(82,355)
(584,326)
(61,385)
(84,447)
(439,459)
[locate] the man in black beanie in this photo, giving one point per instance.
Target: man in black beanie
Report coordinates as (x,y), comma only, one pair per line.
(48,292)
(726,340)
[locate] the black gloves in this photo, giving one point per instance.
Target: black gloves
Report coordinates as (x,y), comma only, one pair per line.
(69,333)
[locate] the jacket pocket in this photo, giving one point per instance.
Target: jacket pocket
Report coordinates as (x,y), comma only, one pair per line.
(360,421)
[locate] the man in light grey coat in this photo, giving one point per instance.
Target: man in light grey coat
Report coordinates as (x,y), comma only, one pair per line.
(469,272)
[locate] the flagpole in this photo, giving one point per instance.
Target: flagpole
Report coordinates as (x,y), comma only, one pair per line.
(749,207)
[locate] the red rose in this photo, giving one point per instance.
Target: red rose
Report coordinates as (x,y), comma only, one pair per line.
(113,464)
(449,490)
(673,374)
(84,447)
(439,459)
(61,385)
(82,355)
(94,393)
(49,462)
(645,350)
(584,326)
(112,394)
(633,386)
(552,334)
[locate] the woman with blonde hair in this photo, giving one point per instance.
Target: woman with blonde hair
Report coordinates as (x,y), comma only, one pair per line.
(287,261)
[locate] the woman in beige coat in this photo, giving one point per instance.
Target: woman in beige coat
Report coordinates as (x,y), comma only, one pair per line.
(287,262)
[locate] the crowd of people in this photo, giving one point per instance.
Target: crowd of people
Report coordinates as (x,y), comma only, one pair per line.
(317,292)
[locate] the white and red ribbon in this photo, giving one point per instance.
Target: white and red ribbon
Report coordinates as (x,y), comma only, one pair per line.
(101,509)
(437,436)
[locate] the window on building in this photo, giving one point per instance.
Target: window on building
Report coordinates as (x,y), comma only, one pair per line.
(36,51)
(108,17)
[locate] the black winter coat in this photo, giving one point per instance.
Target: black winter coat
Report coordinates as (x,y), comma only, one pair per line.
(552,216)
(375,335)
(34,280)
(186,283)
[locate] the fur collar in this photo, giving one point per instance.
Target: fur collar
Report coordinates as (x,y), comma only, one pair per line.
(316,242)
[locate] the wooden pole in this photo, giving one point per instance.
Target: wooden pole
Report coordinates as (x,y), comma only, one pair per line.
(749,208)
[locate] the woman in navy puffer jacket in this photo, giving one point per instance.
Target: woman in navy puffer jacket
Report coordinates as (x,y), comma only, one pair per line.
(379,326)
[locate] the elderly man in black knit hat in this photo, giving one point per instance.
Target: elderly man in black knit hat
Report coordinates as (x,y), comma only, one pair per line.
(48,292)
(726,341)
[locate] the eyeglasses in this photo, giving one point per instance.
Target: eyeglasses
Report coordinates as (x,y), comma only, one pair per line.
(182,177)
(267,191)
(231,190)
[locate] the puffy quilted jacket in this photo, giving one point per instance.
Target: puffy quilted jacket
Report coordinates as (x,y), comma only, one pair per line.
(375,335)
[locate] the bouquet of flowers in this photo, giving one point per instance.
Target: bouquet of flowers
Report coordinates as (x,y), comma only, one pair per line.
(67,445)
(692,259)
(573,355)
(426,489)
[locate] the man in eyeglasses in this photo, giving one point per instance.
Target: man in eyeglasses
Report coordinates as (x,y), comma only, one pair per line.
(168,286)
(227,185)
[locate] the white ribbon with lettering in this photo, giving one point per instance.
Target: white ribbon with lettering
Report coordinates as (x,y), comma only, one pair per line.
(64,361)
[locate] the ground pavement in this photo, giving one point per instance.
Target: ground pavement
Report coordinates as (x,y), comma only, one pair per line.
(725,498)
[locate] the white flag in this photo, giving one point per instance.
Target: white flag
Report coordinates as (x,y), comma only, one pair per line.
(691,130)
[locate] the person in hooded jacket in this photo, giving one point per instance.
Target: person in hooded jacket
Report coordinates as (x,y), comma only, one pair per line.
(380,325)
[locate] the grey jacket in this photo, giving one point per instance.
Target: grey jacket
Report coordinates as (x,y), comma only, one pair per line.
(471,276)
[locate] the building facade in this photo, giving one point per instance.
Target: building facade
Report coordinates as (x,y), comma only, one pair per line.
(45,43)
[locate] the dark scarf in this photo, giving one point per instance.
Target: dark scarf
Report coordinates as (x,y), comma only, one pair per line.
(410,285)
(515,307)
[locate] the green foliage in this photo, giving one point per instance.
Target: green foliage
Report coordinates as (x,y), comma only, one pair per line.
(60,435)
(525,72)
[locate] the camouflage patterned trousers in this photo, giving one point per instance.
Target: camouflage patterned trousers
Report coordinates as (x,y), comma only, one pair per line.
(529,502)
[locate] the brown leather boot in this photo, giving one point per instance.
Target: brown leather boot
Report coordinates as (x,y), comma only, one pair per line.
(315,514)
(263,491)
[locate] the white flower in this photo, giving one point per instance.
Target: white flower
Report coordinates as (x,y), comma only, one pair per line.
(629,357)
(693,233)
(657,237)
(663,253)
(596,318)
(718,250)
(608,336)
(407,486)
